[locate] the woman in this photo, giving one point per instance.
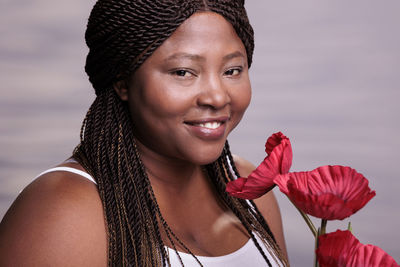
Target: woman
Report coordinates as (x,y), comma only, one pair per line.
(146,185)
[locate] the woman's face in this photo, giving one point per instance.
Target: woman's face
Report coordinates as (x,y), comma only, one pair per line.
(192,91)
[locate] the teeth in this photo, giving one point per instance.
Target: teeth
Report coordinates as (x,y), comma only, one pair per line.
(210,125)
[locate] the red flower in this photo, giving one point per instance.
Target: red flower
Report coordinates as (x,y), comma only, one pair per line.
(260,181)
(328,192)
(334,248)
(341,248)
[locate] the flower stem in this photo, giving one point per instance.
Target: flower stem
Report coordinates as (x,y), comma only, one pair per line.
(324,222)
(349,227)
(307,220)
(316,264)
(321,231)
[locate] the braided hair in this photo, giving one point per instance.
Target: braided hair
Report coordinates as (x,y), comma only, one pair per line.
(121,35)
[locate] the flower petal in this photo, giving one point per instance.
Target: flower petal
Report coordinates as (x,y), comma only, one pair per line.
(341,248)
(273,141)
(260,181)
(246,188)
(335,249)
(372,256)
(328,192)
(278,146)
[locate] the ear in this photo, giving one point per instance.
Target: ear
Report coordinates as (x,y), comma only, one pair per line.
(121,88)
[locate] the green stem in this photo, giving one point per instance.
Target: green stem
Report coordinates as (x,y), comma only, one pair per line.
(307,220)
(324,222)
(321,231)
(349,227)
(316,264)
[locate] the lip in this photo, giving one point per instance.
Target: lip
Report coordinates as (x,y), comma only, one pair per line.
(205,133)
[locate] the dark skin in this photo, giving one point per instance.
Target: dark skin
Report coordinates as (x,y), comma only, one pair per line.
(58,219)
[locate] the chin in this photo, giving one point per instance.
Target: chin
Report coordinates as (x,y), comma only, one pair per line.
(207,156)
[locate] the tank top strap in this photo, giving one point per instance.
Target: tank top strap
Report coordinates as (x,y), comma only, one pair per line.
(69,169)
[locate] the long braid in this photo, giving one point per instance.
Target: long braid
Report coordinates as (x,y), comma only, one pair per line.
(246,211)
(121,35)
(215,171)
(254,209)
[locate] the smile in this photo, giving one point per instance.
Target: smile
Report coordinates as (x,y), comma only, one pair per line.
(210,125)
(208,129)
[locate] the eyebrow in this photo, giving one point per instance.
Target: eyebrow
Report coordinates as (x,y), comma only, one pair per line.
(185,56)
(233,55)
(200,58)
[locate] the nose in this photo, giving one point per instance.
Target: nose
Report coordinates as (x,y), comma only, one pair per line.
(213,93)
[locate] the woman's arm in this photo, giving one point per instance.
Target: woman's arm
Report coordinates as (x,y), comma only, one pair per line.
(267,205)
(56,221)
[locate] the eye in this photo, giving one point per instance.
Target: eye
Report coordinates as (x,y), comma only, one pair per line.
(233,72)
(182,73)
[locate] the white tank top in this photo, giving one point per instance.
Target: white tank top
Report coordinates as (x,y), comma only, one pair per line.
(248,255)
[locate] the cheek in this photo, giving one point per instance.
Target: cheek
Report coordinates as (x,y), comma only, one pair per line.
(174,101)
(164,100)
(241,97)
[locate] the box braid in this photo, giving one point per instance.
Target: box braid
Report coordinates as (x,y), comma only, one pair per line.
(121,35)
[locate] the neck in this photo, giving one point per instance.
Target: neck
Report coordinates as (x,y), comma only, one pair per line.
(173,176)
(182,190)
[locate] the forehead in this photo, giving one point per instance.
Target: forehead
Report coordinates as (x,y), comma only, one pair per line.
(203,32)
(201,22)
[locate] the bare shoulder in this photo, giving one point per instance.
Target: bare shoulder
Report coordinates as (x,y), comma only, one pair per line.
(267,204)
(57,220)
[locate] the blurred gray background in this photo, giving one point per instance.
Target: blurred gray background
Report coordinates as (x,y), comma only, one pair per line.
(326,74)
